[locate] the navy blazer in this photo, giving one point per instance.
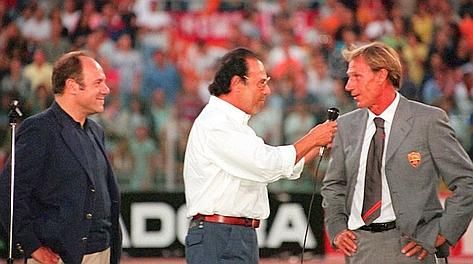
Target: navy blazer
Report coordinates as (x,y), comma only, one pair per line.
(54,191)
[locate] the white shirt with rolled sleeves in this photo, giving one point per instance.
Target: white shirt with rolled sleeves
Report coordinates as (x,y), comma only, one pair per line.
(227,166)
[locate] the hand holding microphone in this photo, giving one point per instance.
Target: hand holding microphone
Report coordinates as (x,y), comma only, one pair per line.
(319,136)
(332,115)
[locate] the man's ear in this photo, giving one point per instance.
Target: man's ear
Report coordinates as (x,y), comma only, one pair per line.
(235,83)
(71,86)
(382,75)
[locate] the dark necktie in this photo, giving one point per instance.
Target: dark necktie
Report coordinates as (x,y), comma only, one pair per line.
(372,197)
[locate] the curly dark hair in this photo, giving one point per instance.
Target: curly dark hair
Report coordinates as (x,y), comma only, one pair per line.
(233,63)
(68,66)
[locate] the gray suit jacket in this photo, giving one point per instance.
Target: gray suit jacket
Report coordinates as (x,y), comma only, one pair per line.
(419,215)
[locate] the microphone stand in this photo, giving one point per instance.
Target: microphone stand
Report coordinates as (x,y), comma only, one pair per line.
(13,116)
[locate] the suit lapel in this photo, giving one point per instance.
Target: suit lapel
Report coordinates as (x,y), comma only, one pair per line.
(400,127)
(356,132)
(355,139)
(72,141)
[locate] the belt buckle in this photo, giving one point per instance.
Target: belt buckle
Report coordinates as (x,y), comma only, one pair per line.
(254,223)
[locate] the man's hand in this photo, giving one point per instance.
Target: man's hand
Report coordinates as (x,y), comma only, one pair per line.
(440,240)
(412,248)
(45,255)
(345,241)
(323,134)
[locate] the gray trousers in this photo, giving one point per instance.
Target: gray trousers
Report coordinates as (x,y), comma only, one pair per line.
(221,244)
(382,247)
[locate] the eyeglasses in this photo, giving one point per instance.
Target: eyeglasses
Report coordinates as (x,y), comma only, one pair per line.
(261,83)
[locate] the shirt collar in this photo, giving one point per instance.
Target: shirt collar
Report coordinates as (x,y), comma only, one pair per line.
(66,118)
(231,110)
(388,114)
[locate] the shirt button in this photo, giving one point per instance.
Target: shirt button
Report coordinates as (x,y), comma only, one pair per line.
(84,239)
(88,216)
(92,190)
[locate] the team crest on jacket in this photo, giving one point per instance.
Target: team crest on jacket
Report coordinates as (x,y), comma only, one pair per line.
(414,158)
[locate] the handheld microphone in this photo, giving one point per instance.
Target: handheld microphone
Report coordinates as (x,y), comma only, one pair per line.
(332,115)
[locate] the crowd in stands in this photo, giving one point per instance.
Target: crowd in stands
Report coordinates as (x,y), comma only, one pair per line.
(159,57)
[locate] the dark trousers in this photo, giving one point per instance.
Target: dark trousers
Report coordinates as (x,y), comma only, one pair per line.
(213,243)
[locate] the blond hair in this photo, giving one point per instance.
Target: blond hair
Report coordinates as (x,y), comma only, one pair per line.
(378,56)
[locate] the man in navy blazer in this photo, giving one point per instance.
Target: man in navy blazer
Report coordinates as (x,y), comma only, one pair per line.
(66,198)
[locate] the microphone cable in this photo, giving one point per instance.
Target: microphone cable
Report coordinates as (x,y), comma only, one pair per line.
(316,173)
(332,115)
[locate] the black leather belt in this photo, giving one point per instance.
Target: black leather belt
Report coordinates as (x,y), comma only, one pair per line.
(379,227)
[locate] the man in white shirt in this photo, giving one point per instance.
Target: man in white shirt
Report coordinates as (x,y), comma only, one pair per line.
(227,166)
(380,189)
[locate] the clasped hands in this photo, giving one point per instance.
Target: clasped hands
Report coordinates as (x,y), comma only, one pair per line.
(345,241)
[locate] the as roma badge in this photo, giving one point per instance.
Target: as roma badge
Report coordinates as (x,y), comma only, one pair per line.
(414,158)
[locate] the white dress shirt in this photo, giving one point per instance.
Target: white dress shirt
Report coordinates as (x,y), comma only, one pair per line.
(355,220)
(227,166)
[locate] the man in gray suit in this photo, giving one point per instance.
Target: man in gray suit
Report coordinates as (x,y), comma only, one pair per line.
(380,190)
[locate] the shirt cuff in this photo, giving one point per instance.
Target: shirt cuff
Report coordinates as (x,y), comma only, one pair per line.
(294,170)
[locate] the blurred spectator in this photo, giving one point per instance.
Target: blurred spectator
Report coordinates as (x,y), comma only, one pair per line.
(470,123)
(6,14)
(129,117)
(345,37)
(153,22)
(122,162)
(41,99)
(95,18)
(39,71)
(458,54)
(415,53)
(286,55)
(37,28)
(422,22)
(188,107)
(319,82)
(160,113)
(70,15)
(109,119)
(144,152)
(5,141)
(112,21)
(81,30)
(268,122)
(128,62)
(463,92)
(14,44)
(250,24)
(397,38)
(438,87)
(380,26)
(408,88)
(57,44)
(202,54)
(100,44)
(298,121)
(161,73)
(14,81)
